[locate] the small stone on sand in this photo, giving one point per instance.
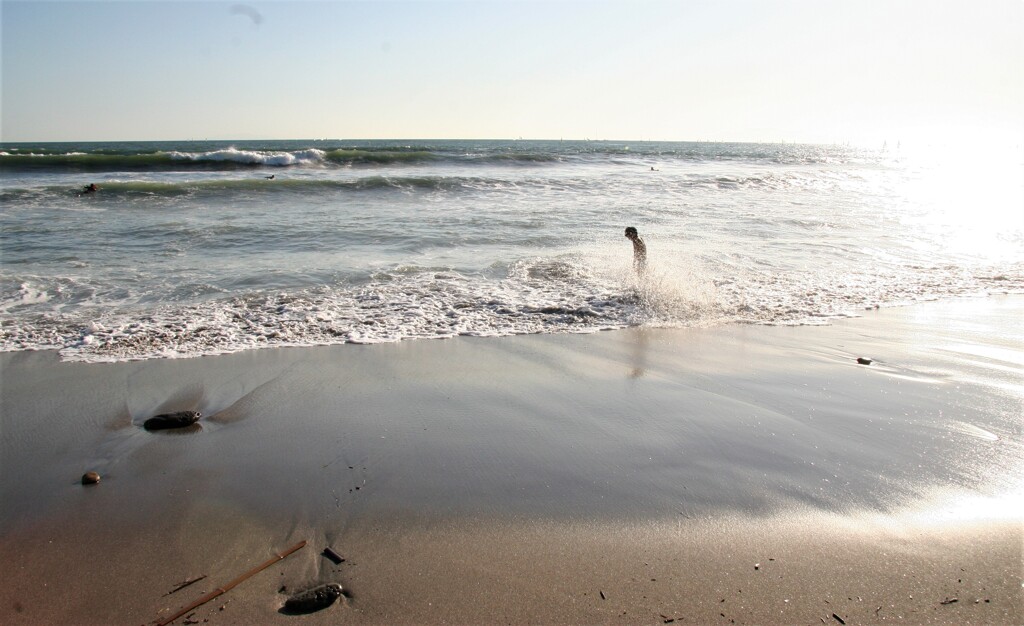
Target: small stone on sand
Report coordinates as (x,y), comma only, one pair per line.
(90,478)
(313,599)
(180,419)
(333,556)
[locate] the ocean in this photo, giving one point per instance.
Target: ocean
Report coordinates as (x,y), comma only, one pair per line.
(199,248)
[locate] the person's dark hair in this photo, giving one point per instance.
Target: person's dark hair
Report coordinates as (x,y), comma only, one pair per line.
(630,230)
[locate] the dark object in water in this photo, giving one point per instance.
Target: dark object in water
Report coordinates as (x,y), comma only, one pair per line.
(863,360)
(90,478)
(180,419)
(314,599)
(333,556)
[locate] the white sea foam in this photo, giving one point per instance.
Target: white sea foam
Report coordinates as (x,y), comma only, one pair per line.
(537,295)
(26,294)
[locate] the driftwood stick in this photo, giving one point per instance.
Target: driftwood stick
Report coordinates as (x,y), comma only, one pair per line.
(185,583)
(231,585)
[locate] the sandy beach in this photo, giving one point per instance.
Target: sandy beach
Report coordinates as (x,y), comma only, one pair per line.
(741,474)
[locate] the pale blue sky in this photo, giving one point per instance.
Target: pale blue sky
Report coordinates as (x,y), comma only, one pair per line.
(766,70)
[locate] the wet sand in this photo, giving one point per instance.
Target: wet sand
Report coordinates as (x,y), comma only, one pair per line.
(754,474)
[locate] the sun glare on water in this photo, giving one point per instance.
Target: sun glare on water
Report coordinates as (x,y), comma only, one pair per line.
(968,200)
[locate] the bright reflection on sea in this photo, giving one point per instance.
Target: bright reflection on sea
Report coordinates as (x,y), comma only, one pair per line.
(966,199)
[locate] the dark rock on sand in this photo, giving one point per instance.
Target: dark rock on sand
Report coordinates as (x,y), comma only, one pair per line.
(90,478)
(314,599)
(333,556)
(172,420)
(863,360)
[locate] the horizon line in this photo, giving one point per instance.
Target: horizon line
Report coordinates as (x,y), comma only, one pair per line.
(438,139)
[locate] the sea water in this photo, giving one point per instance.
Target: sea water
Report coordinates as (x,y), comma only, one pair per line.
(196,248)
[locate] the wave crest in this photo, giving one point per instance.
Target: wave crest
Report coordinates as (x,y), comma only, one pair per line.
(251,157)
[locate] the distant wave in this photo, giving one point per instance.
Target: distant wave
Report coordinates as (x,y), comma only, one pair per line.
(232,158)
(375,180)
(250,157)
(224,156)
(349,157)
(260,184)
(82,161)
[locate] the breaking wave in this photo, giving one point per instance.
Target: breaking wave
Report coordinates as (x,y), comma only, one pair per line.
(562,295)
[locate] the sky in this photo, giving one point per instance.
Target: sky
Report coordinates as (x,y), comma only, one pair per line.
(821,71)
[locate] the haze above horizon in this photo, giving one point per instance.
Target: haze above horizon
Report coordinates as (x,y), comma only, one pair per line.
(735,70)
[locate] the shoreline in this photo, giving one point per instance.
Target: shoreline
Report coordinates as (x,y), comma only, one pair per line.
(518,479)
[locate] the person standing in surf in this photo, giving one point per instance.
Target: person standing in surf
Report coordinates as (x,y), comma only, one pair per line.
(639,250)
